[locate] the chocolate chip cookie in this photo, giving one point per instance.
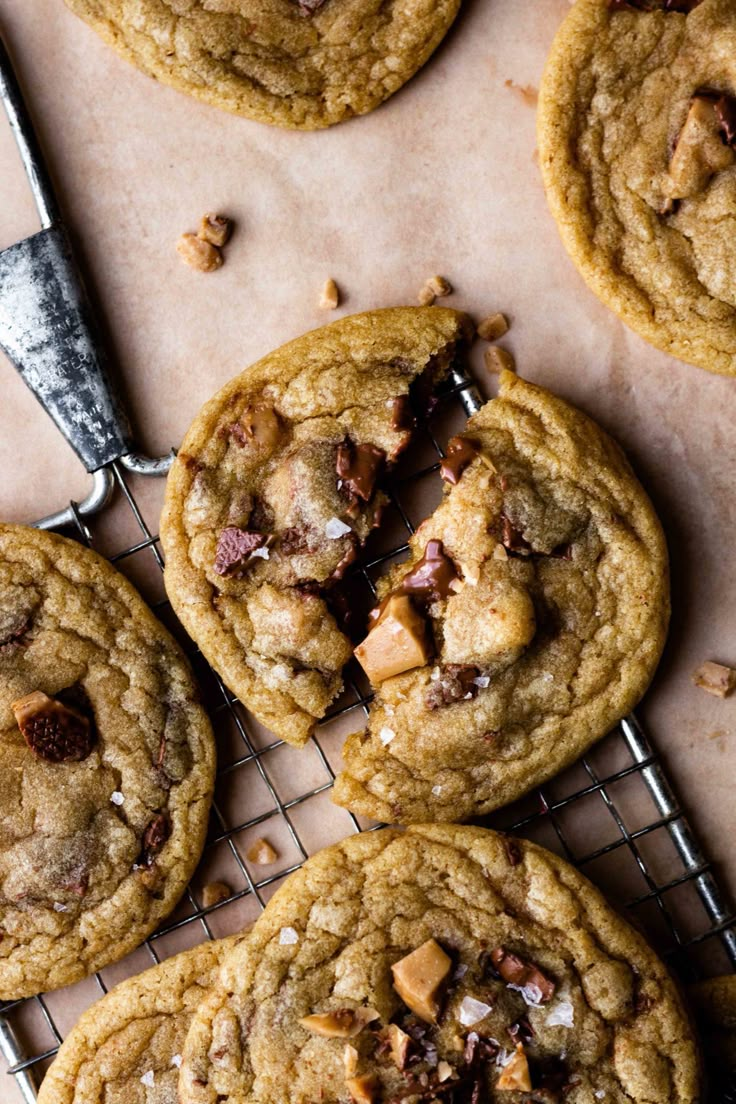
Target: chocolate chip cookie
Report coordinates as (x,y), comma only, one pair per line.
(440,963)
(128,1046)
(107,765)
(276,487)
(637,138)
(539,590)
(294,63)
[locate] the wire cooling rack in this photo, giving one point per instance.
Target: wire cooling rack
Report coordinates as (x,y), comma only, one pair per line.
(614,815)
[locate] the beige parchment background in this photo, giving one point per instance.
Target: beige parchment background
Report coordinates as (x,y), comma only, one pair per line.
(441,179)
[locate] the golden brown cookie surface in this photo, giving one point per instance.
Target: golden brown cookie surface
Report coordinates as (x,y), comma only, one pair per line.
(294,63)
(127,1047)
(637,136)
(547,607)
(107,765)
(276,486)
(403,965)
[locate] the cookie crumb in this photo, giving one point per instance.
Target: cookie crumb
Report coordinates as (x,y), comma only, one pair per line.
(215,892)
(426,296)
(215,229)
(497,360)
(198,254)
(440,286)
(262,853)
(330,297)
(493,327)
(715,678)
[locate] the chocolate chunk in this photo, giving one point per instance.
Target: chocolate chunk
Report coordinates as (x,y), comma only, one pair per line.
(155,836)
(358,468)
(52,730)
(234,548)
(349,558)
(12,637)
(513,854)
(456,683)
(512,540)
(296,542)
(460,453)
(309,7)
(402,415)
(521,1031)
(725,108)
(433,576)
(524,975)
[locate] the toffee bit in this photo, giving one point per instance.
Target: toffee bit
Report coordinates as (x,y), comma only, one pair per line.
(214,893)
(262,853)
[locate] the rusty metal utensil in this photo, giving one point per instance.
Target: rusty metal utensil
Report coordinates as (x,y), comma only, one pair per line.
(48,329)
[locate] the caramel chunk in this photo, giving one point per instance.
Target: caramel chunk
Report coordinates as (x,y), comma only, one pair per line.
(215,229)
(54,732)
(493,327)
(396,643)
(420,978)
(400,1044)
(523,975)
(262,853)
(700,151)
(716,678)
(497,360)
(214,893)
(235,547)
(363,1090)
(330,296)
(340,1023)
(199,254)
(515,1075)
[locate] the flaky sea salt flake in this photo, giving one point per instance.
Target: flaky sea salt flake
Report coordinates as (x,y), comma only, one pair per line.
(386,735)
(472,1011)
(147,1079)
(116,797)
(334,529)
(288,937)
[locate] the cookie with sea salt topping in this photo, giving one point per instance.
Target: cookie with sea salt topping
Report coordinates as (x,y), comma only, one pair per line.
(637,140)
(541,588)
(294,63)
(443,963)
(127,1047)
(276,487)
(107,765)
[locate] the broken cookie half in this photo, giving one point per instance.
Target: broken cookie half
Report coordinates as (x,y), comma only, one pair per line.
(276,488)
(527,621)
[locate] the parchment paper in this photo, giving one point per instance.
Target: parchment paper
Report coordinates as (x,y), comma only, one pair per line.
(442,179)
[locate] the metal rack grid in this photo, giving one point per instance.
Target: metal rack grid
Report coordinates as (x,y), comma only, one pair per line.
(614,815)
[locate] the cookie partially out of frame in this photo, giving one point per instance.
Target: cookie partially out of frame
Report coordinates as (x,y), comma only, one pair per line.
(443,963)
(107,765)
(294,63)
(637,139)
(127,1047)
(714,1005)
(542,584)
(276,486)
